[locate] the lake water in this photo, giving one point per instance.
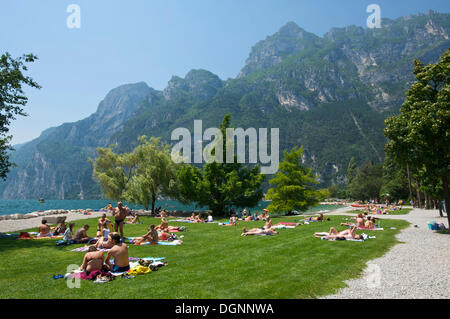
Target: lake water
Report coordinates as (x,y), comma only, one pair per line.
(8,207)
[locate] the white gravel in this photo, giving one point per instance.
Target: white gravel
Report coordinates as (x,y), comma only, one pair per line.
(416,268)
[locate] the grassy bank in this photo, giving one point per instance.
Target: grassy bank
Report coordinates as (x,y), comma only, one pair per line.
(213,262)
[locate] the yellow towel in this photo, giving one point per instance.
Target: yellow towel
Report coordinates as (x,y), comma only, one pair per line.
(139,270)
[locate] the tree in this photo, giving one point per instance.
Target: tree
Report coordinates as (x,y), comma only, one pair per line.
(351,170)
(367,183)
(394,180)
(292,185)
(155,173)
(113,171)
(418,136)
(221,185)
(12,101)
(139,176)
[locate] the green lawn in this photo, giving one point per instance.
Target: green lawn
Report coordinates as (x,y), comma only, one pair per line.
(403,211)
(213,262)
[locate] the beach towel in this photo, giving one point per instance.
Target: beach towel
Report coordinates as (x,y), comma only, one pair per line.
(365,237)
(182,221)
(146,258)
(48,237)
(86,248)
(163,243)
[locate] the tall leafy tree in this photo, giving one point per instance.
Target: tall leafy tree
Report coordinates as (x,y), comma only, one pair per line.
(419,135)
(155,173)
(367,183)
(12,100)
(222,185)
(293,185)
(139,176)
(113,171)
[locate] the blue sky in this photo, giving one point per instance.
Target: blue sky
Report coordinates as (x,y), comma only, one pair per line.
(151,40)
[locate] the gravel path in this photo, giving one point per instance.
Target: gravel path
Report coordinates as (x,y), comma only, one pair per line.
(416,268)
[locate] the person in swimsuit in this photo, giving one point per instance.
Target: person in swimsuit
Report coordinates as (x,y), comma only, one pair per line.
(119,252)
(43,229)
(258,231)
(104,243)
(102,224)
(119,217)
(81,234)
(334,234)
(93,260)
(151,236)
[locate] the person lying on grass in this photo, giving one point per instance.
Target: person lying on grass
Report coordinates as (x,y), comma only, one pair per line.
(258,231)
(102,223)
(316,219)
(119,252)
(151,236)
(93,260)
(333,234)
(44,229)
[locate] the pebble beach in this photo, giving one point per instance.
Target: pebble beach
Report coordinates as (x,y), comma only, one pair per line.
(417,267)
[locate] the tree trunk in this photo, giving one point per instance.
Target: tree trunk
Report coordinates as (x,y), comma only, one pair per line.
(439,206)
(419,198)
(446,196)
(153,204)
(409,182)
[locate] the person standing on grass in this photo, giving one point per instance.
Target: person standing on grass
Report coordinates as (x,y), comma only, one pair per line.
(119,252)
(119,217)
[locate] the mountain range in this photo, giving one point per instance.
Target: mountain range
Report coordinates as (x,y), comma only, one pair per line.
(330,94)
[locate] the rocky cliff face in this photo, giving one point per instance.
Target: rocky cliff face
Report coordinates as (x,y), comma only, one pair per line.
(330,94)
(55,165)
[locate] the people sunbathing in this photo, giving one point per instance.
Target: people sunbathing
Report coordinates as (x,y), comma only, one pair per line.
(81,235)
(151,236)
(44,229)
(60,229)
(92,261)
(105,242)
(258,231)
(232,222)
(333,234)
(119,252)
(103,223)
(199,219)
(133,219)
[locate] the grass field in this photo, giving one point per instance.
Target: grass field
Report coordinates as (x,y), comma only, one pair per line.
(403,211)
(213,262)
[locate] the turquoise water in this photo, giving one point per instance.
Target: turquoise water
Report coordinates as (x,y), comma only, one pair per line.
(24,206)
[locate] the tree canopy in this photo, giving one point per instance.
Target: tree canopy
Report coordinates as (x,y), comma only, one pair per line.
(12,100)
